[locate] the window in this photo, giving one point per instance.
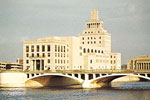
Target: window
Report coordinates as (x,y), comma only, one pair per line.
(91,61)
(84,50)
(58,48)
(55,60)
(49,55)
(82,42)
(88,50)
(95,51)
(27,61)
(99,37)
(91,37)
(48,48)
(111,62)
(27,55)
(99,51)
(61,48)
(37,48)
(114,61)
(32,48)
(102,51)
(64,49)
(43,48)
(32,54)
(80,54)
(37,54)
(88,42)
(27,48)
(82,38)
(55,48)
(80,48)
(48,61)
(92,51)
(43,54)
(88,38)
(94,42)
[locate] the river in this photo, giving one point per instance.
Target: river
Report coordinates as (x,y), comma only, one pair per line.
(119,91)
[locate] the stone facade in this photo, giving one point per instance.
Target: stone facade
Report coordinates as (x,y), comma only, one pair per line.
(91,50)
(139,63)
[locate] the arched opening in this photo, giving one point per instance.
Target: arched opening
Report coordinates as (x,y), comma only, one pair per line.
(51,80)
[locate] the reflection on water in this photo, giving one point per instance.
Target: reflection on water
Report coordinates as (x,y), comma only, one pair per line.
(119,91)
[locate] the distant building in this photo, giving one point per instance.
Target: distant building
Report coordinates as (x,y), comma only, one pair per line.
(20,61)
(91,50)
(10,66)
(139,63)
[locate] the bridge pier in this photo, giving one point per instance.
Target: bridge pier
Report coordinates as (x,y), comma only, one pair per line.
(88,84)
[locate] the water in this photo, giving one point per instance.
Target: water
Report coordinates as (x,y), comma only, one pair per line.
(120,91)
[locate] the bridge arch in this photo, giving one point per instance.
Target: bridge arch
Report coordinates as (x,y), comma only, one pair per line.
(106,80)
(46,80)
(109,78)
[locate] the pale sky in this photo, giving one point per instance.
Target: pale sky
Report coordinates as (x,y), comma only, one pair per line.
(128,22)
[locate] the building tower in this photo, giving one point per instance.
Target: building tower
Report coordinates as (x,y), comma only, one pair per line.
(96,44)
(94,34)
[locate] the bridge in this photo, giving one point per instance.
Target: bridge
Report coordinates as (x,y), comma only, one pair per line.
(87,79)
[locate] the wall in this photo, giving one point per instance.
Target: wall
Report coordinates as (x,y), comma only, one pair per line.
(12,79)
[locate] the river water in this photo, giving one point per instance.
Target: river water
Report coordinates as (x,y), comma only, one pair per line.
(119,91)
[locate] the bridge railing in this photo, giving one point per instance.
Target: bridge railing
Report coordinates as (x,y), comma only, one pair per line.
(79,71)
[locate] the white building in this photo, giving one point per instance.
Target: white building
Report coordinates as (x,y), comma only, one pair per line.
(91,50)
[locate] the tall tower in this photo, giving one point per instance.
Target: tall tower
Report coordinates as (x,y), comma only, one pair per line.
(94,15)
(94,34)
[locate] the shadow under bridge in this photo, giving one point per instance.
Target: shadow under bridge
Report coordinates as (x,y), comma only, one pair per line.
(110,78)
(48,80)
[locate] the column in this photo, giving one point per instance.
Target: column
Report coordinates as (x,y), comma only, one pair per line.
(79,76)
(86,77)
(94,76)
(40,64)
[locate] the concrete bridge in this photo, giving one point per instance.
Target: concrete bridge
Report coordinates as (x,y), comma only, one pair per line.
(85,79)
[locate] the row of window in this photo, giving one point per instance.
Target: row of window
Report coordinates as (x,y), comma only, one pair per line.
(113,62)
(36,48)
(48,61)
(93,25)
(92,51)
(59,48)
(91,42)
(61,55)
(102,61)
(90,38)
(112,56)
(38,55)
(60,61)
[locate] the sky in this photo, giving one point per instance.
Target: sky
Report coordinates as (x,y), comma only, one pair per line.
(128,22)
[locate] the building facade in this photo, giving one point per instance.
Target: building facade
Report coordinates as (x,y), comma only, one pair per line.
(91,50)
(139,63)
(10,66)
